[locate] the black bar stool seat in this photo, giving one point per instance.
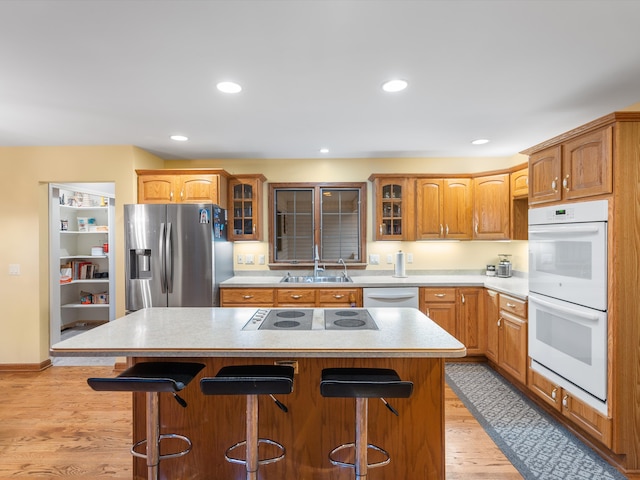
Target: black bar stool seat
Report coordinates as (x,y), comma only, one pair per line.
(153,378)
(252,380)
(362,384)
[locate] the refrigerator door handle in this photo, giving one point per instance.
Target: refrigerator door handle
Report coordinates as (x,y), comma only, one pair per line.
(163,266)
(168,254)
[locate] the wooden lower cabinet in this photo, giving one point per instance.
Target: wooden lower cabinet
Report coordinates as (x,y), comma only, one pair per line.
(291,297)
(439,304)
(593,423)
(460,311)
(254,297)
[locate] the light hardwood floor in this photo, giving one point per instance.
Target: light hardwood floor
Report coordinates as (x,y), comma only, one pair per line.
(52,425)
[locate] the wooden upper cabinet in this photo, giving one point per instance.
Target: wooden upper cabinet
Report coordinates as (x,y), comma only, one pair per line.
(520,183)
(587,165)
(182,186)
(245,207)
(491,207)
(545,170)
(577,168)
(393,208)
(156,188)
(444,208)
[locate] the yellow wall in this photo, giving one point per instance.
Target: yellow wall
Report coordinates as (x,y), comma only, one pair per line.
(24,299)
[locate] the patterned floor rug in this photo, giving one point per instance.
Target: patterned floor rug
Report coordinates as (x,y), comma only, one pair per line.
(537,445)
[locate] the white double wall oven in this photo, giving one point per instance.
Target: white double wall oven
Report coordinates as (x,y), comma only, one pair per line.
(568,298)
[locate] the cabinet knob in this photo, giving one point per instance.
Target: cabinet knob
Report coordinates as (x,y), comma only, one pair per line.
(565,183)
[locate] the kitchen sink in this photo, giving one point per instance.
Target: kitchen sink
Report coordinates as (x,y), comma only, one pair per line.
(318,279)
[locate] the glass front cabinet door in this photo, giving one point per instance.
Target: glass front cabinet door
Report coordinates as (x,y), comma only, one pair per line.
(390,202)
(245,207)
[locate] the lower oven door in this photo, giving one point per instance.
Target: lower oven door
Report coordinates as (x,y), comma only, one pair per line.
(570,341)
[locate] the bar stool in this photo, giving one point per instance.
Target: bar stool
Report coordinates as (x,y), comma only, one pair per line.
(252,380)
(362,384)
(153,378)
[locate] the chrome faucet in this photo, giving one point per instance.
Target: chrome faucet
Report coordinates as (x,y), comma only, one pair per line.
(316,259)
(345,267)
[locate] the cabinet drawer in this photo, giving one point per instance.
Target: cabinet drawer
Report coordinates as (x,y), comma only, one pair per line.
(296,296)
(342,296)
(513,305)
(545,389)
(254,296)
(434,295)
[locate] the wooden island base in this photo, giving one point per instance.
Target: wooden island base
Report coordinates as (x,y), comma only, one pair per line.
(312,427)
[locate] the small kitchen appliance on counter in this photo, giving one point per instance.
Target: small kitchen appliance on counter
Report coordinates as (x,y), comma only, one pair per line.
(504,267)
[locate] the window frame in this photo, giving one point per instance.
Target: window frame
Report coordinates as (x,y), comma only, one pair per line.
(317,188)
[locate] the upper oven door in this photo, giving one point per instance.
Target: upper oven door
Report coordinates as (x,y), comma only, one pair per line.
(569,262)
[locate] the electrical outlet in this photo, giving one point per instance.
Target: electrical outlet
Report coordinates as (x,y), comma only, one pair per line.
(14,269)
(261,259)
(249,259)
(240,259)
(409,257)
(374,259)
(389,258)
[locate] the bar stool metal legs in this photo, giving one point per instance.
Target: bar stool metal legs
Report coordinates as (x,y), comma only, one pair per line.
(362,384)
(153,378)
(251,381)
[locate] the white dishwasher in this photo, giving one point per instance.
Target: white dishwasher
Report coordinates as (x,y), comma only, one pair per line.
(390,297)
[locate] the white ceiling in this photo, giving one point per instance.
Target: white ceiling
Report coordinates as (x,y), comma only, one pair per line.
(108,72)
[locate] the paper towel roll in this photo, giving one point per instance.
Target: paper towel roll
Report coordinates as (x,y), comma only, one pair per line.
(399,270)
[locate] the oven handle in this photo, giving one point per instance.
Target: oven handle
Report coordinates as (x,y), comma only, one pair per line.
(563,230)
(587,316)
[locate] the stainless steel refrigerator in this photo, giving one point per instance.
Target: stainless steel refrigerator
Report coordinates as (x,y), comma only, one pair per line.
(176,255)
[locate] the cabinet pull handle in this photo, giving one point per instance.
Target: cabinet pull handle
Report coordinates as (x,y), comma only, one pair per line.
(565,401)
(476,229)
(338,297)
(554,185)
(171,196)
(181,194)
(463,300)
(500,322)
(381,225)
(254,228)
(446,230)
(428,313)
(296,297)
(247,297)
(440,295)
(510,305)
(554,394)
(565,183)
(441,230)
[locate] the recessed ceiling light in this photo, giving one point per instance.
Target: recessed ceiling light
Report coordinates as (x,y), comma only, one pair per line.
(179,138)
(228,87)
(394,85)
(480,141)
(324,150)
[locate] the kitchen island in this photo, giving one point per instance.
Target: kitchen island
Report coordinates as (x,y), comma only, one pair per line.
(405,340)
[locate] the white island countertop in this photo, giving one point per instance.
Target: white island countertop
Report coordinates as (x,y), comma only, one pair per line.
(218,332)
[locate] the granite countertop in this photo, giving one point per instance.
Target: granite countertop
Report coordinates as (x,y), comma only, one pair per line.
(517,286)
(218,332)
